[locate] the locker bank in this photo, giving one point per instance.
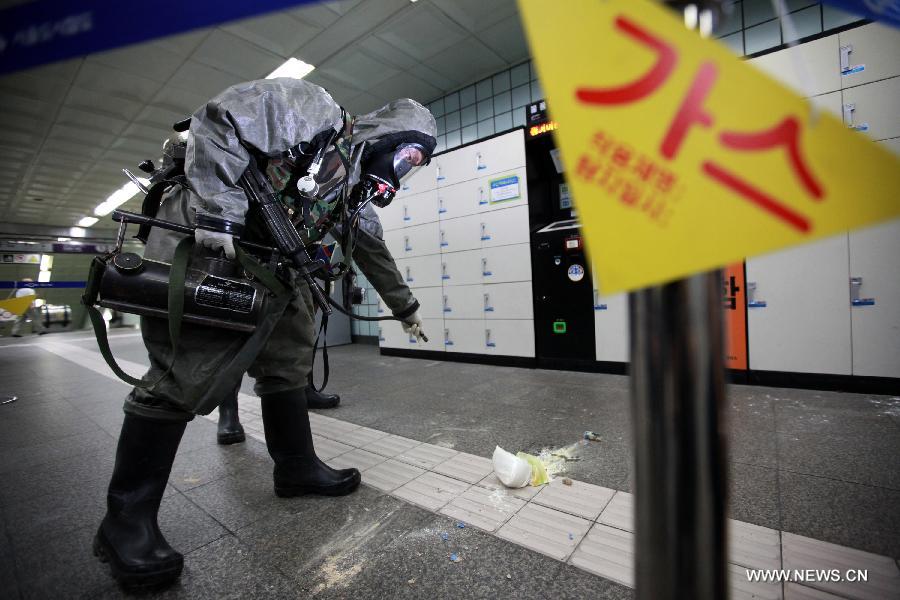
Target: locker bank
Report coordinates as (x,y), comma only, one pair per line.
(304,300)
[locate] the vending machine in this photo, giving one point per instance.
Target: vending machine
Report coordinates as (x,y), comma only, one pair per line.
(563,290)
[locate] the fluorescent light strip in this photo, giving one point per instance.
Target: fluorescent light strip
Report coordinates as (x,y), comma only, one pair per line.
(293,67)
(117,199)
(87,221)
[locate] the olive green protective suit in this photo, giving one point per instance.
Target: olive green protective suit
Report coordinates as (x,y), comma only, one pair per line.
(267,117)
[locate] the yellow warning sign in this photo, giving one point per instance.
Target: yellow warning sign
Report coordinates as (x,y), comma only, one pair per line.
(15,307)
(682,158)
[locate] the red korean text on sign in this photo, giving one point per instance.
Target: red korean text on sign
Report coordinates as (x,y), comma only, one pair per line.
(634,178)
(692,113)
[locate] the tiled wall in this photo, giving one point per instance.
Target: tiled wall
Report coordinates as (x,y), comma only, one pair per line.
(753,26)
(492,105)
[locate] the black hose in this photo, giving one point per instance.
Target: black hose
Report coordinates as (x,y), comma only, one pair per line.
(341,309)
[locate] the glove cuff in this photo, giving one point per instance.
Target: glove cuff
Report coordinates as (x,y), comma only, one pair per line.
(408,311)
(211,223)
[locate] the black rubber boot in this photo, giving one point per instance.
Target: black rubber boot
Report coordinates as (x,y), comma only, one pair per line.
(230,429)
(288,437)
(316,399)
(129,538)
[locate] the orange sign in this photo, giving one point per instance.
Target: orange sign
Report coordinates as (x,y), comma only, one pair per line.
(735,306)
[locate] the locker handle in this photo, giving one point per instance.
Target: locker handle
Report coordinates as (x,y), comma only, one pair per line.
(446,308)
(444,239)
(447,340)
(855,300)
(406,216)
(441,209)
(484,268)
(439,176)
(597,305)
(487,304)
(444,271)
(404,187)
(479,166)
(408,275)
(845,57)
(380,310)
(481,200)
(487,339)
(751,291)
(406,245)
(484,234)
(380,335)
(848,110)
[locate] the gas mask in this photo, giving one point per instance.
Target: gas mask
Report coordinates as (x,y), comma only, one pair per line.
(384,172)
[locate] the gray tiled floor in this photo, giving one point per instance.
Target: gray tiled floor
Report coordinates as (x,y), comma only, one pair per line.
(220,505)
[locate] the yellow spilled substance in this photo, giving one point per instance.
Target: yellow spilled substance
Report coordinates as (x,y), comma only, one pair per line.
(538,471)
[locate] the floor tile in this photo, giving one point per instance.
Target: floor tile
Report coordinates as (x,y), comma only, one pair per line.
(619,513)
(607,552)
(581,499)
(430,490)
(848,514)
(390,475)
(753,546)
(743,589)
(326,448)
(483,508)
(525,493)
(334,429)
(426,455)
(356,458)
(805,553)
(391,445)
(466,467)
(545,530)
(363,436)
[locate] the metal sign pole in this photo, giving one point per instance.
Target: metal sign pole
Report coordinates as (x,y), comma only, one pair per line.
(678,391)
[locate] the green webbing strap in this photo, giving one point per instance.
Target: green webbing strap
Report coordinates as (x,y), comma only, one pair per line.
(265,276)
(177,275)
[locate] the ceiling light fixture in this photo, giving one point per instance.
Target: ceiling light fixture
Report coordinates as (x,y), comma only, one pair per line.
(118,198)
(63,239)
(77,232)
(87,221)
(293,67)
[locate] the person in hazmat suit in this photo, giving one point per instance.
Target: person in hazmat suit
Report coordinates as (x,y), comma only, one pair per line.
(274,125)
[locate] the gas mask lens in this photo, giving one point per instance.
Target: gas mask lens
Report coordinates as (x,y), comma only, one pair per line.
(406,158)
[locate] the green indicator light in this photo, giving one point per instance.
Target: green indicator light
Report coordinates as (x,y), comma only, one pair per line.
(559,327)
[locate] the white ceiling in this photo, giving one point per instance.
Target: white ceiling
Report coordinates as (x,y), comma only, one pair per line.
(67,129)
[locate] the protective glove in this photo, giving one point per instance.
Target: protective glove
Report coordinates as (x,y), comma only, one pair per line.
(216,241)
(413,326)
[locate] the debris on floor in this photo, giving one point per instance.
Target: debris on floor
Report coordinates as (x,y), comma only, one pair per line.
(567,481)
(591,436)
(445,536)
(511,470)
(454,557)
(411,581)
(539,474)
(461,525)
